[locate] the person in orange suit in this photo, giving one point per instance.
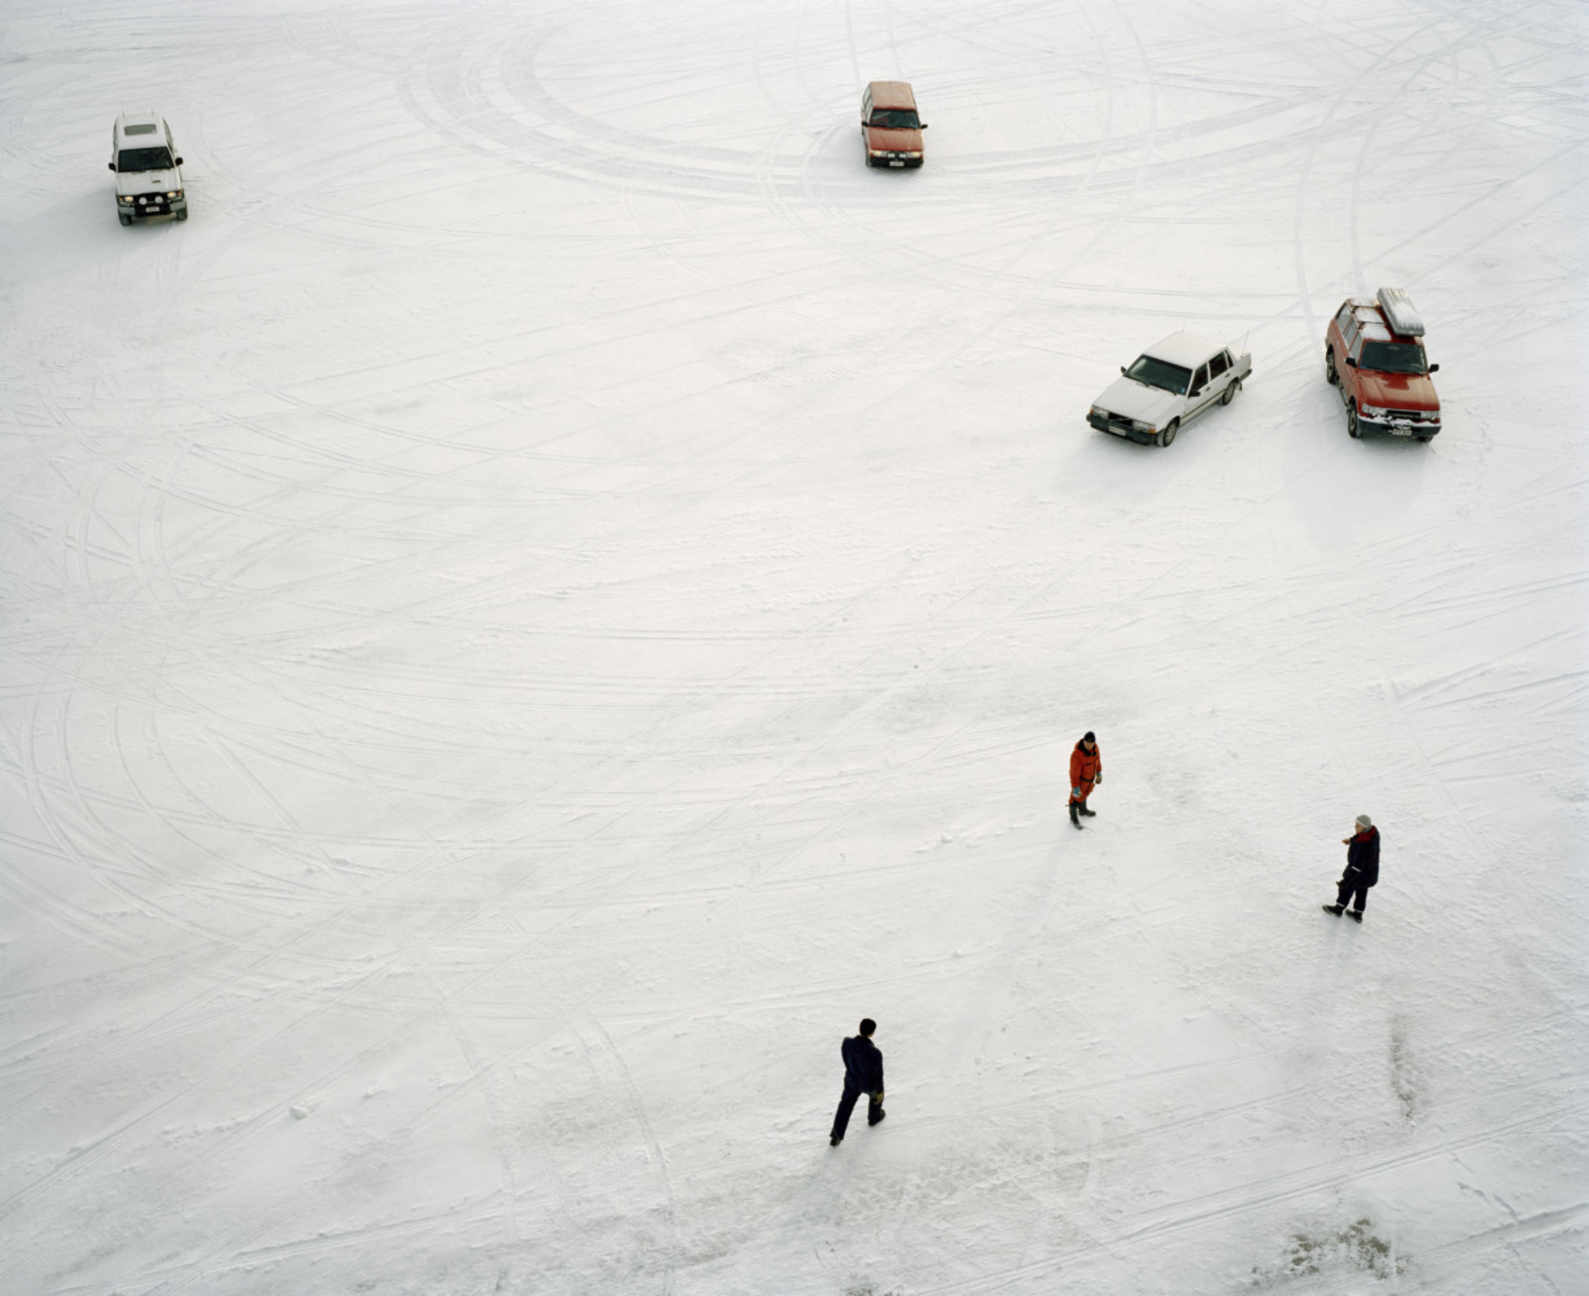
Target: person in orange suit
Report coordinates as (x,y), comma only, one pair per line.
(1086,772)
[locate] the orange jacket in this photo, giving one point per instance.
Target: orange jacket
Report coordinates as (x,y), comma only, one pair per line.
(1084,770)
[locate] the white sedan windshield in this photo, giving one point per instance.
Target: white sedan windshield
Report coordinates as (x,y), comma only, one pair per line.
(1160,373)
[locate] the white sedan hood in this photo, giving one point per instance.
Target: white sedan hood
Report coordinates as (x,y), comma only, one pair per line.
(1139,401)
(142,182)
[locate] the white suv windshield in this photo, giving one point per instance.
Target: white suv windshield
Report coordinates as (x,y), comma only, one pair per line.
(144,159)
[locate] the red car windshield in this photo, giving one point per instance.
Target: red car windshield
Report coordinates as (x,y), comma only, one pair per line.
(1394,357)
(895,119)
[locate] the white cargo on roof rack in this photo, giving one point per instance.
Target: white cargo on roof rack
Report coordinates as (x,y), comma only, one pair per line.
(1400,313)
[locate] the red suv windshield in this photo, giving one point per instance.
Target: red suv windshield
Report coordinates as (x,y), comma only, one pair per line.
(1394,357)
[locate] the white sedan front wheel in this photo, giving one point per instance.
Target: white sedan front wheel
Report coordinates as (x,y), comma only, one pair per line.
(1168,434)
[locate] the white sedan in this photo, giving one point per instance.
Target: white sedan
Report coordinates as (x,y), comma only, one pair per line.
(1169,384)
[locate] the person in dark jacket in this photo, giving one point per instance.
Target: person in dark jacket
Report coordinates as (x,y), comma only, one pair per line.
(1362,869)
(863,1074)
(1086,770)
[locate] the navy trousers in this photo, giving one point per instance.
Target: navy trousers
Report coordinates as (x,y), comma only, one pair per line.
(852,1095)
(1352,885)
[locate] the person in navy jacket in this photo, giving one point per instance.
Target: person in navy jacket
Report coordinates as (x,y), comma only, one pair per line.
(1362,869)
(863,1074)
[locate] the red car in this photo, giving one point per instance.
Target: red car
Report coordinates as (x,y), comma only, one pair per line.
(1374,355)
(890,127)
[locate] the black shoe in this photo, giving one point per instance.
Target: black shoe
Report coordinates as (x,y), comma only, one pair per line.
(1089,813)
(835,1141)
(879,1120)
(1074,822)
(1356,915)
(1337,910)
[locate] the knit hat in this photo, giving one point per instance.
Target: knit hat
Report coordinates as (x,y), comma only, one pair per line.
(1087,737)
(1363,821)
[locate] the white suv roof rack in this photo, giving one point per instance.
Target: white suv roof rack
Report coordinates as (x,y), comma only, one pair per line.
(1400,313)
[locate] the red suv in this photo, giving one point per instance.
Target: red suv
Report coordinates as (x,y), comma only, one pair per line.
(890,127)
(1374,355)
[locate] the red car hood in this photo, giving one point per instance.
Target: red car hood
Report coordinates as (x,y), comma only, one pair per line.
(1398,391)
(887,137)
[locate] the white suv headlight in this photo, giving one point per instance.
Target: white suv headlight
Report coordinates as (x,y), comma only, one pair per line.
(1371,411)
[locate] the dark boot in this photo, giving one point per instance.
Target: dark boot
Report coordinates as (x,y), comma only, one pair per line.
(1083,808)
(1356,915)
(1074,822)
(1337,910)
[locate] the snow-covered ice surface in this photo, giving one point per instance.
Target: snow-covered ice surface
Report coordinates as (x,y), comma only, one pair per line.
(557,591)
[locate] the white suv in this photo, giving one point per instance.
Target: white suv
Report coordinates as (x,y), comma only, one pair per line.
(145,161)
